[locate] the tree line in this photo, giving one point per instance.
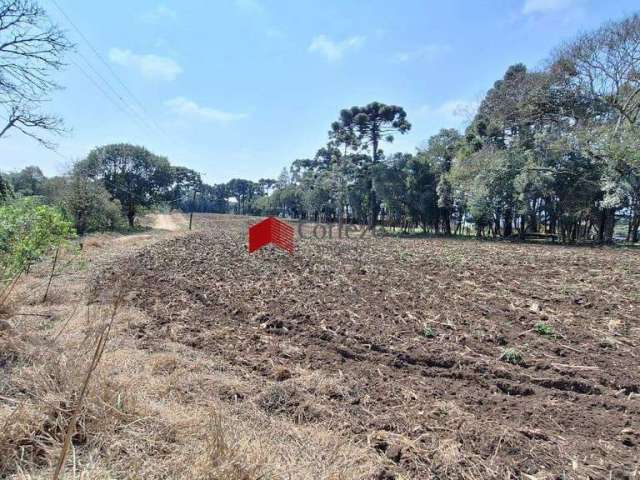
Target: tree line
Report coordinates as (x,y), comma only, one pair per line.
(550,152)
(553,151)
(108,189)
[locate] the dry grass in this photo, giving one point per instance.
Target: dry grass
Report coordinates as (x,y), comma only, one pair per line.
(168,414)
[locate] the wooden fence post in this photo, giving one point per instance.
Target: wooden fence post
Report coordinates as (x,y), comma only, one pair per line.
(193,203)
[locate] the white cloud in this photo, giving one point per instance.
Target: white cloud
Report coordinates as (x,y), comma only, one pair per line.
(188,108)
(426,52)
(546,6)
(334,51)
(252,7)
(149,65)
(158,13)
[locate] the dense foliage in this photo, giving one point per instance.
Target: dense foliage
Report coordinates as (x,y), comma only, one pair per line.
(90,205)
(108,188)
(132,175)
(6,191)
(28,231)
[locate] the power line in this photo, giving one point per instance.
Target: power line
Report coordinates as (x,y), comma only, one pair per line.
(106,64)
(128,109)
(103,91)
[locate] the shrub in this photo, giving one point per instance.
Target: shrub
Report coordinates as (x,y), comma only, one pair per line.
(90,205)
(28,231)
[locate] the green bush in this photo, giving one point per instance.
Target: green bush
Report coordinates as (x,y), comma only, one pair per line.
(28,231)
(90,205)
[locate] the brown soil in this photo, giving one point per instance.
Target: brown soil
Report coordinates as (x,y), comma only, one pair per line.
(403,344)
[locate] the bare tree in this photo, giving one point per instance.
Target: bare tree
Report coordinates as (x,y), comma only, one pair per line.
(605,64)
(31,51)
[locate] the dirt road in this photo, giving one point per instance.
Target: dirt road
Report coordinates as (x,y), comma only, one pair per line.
(168,221)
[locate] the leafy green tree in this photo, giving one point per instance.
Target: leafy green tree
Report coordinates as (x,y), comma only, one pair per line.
(210,198)
(266,185)
(504,122)
(90,205)
(28,231)
(28,182)
(407,186)
(331,171)
(290,201)
(441,151)
(487,177)
(131,174)
(421,192)
(317,197)
(266,205)
(391,184)
(244,191)
(185,181)
(53,189)
(621,178)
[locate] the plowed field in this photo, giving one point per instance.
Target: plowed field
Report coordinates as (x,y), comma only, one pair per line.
(451,358)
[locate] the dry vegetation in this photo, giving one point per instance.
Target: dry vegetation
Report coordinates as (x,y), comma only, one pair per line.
(360,358)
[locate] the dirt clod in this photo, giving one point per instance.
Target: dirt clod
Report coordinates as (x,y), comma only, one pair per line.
(281,373)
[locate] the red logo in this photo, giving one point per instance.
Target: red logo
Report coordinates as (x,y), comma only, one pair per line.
(271,230)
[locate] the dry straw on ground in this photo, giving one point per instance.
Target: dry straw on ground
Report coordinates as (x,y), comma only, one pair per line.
(145,414)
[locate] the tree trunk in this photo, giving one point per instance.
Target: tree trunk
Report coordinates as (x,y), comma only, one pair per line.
(446,219)
(373,198)
(635,227)
(508,224)
(574,231)
(131,214)
(601,225)
(81,222)
(522,227)
(553,221)
(533,220)
(607,225)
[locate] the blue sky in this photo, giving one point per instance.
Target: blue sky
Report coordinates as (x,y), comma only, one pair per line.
(241,88)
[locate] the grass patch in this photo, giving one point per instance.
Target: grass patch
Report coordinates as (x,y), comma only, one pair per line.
(544,329)
(512,355)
